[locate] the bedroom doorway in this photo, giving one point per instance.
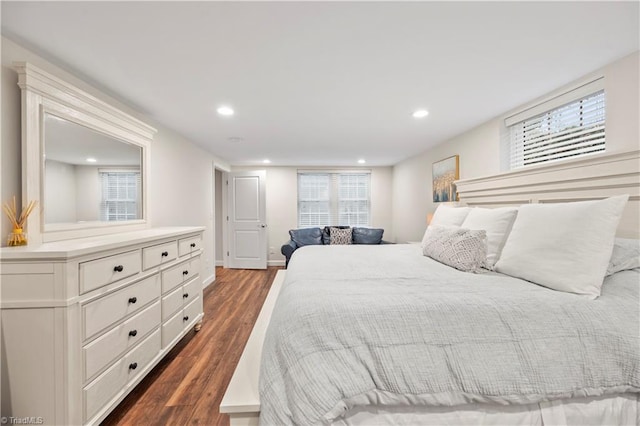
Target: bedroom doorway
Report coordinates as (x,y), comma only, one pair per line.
(246,220)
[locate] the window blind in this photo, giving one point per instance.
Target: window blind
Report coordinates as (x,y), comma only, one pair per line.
(333,199)
(574,129)
(120,191)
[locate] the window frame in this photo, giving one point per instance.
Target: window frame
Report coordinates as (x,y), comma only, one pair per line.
(335,201)
(566,137)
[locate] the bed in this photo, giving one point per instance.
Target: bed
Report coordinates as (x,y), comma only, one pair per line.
(385,335)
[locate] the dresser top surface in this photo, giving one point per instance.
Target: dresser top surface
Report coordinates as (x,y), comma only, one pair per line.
(85,246)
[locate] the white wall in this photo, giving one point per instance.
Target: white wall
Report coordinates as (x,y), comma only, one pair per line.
(282,204)
(479,148)
(88,193)
(60,198)
(181,187)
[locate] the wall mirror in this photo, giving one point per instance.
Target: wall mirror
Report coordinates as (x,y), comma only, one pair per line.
(89,176)
(84,161)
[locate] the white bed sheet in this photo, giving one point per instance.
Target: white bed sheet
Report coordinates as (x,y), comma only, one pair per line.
(622,410)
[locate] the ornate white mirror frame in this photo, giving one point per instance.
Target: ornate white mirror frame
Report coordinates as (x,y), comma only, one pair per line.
(43,93)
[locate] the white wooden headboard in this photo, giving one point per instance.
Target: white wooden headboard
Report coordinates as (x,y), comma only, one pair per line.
(591,178)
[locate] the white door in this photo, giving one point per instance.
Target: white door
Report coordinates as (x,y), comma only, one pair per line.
(246,220)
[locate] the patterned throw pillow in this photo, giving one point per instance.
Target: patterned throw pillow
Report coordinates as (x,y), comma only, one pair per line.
(340,236)
(460,248)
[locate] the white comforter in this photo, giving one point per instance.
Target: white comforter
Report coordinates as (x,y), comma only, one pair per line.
(384,323)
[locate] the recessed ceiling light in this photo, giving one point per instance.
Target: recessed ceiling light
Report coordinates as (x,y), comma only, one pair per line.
(266,161)
(420,113)
(361,161)
(91,160)
(225,110)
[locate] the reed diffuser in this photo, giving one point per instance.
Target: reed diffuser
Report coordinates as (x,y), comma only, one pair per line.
(17,237)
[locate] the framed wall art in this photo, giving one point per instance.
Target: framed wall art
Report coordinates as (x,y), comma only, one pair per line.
(445,173)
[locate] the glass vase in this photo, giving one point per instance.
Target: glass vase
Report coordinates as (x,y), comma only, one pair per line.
(17,238)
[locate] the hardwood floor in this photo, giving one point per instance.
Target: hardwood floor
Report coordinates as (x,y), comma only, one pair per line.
(186,387)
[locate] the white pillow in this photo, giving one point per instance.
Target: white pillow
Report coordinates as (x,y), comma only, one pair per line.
(463,249)
(564,246)
(447,215)
(625,255)
(497,223)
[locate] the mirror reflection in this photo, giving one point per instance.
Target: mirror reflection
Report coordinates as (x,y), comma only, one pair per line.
(89,176)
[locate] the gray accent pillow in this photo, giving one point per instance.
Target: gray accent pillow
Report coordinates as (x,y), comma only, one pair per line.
(463,249)
(367,235)
(306,236)
(625,255)
(340,236)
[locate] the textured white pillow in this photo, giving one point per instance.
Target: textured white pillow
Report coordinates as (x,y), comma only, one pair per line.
(625,255)
(497,223)
(564,246)
(460,248)
(447,215)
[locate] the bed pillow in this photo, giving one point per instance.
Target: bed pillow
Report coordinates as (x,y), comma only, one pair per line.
(625,255)
(340,236)
(563,246)
(460,248)
(447,215)
(306,236)
(367,235)
(497,223)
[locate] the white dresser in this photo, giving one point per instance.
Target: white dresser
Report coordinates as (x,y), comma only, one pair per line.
(83,321)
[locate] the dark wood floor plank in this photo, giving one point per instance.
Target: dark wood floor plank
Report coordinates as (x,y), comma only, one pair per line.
(186,387)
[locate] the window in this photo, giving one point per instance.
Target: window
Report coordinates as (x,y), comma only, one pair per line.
(120,191)
(333,198)
(566,131)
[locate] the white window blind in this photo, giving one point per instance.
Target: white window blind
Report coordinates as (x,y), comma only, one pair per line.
(333,199)
(570,130)
(119,195)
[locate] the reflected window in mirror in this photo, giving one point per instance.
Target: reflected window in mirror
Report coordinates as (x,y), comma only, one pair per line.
(120,195)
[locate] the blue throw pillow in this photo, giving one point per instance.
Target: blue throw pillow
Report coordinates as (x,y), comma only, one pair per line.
(306,236)
(367,235)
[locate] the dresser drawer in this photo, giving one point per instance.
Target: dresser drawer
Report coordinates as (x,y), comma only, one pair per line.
(191,290)
(107,347)
(172,302)
(157,255)
(100,272)
(102,313)
(177,323)
(109,383)
(179,274)
(138,359)
(192,310)
(189,245)
(172,328)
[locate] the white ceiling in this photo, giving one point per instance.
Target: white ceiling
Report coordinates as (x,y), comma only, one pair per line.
(325,83)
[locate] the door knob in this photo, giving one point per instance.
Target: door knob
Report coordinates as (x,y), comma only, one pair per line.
(263,225)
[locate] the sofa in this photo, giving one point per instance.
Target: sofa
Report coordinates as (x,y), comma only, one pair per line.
(322,236)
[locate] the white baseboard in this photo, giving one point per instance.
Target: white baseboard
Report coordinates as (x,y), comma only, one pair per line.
(275,262)
(219,262)
(208,281)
